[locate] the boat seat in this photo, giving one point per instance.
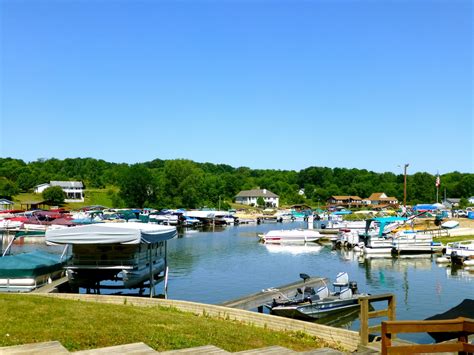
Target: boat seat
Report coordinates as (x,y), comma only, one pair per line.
(342,280)
(322,292)
(345,294)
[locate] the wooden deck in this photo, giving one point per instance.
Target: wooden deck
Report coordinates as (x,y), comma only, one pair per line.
(257,300)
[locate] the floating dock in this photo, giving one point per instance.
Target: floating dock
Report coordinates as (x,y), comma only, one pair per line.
(259,299)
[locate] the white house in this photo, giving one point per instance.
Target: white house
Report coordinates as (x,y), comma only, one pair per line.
(250,197)
(471,200)
(40,188)
(74,190)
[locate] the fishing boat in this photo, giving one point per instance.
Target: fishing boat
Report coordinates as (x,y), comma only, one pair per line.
(316,304)
(127,253)
(291,236)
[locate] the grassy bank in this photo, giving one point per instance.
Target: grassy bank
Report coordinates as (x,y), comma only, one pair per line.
(445,240)
(92,197)
(82,325)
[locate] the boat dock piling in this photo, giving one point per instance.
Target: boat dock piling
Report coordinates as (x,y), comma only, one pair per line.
(259,299)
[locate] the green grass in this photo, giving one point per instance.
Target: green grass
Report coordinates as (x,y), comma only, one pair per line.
(92,197)
(82,325)
(445,240)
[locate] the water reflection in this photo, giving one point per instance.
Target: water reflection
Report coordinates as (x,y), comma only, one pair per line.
(294,248)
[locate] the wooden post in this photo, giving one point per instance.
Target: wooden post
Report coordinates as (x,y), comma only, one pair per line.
(364,321)
(386,340)
(152,284)
(392,307)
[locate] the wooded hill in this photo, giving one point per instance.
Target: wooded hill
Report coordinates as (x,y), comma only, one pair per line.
(187,184)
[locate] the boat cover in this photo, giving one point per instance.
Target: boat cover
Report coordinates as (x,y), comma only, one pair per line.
(464,309)
(30,264)
(111,233)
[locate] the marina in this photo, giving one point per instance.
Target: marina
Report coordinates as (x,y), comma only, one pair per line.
(214,265)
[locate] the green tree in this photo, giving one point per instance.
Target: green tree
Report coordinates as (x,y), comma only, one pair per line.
(260,201)
(8,189)
(54,194)
(136,186)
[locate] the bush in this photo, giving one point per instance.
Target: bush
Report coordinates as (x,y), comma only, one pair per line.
(54,195)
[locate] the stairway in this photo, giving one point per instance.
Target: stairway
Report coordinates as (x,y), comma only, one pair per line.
(54,347)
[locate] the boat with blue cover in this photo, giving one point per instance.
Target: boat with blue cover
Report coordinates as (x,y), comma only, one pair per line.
(28,271)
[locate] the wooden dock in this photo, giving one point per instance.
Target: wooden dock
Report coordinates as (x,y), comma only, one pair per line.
(259,299)
(52,287)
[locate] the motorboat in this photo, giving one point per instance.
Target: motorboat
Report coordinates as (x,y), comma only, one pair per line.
(309,303)
(377,238)
(291,236)
(459,252)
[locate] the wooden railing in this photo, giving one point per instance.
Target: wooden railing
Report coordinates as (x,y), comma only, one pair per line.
(365,314)
(462,326)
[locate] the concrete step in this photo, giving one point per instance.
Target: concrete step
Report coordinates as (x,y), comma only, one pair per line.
(268,350)
(135,348)
(322,351)
(46,348)
(208,349)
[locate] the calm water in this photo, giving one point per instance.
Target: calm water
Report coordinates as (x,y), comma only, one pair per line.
(213,267)
(224,264)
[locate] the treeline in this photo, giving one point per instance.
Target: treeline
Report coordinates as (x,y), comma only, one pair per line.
(184,183)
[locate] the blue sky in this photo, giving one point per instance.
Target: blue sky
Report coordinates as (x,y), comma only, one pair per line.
(264,84)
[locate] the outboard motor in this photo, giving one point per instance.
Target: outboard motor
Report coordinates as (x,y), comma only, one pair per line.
(353,286)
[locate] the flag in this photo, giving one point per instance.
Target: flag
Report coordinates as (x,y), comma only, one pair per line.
(438,181)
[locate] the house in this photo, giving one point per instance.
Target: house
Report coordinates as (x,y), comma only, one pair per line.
(345,201)
(250,197)
(451,202)
(471,200)
(74,190)
(380,198)
(40,188)
(5,204)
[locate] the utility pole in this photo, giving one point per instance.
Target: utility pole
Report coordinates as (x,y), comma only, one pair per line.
(405,185)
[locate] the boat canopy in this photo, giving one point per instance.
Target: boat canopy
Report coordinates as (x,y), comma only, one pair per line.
(383,221)
(111,233)
(30,264)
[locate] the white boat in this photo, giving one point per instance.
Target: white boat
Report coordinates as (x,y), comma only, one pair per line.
(291,236)
(412,242)
(121,252)
(450,224)
(459,252)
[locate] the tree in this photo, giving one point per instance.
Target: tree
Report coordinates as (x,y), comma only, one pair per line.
(8,189)
(260,201)
(54,194)
(136,186)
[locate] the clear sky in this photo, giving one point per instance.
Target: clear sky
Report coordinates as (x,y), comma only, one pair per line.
(264,84)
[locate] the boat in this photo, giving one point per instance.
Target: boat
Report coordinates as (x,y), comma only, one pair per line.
(459,252)
(464,309)
(413,242)
(450,224)
(316,304)
(127,253)
(291,236)
(377,238)
(28,271)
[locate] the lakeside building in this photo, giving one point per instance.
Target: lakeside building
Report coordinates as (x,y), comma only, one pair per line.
(74,190)
(250,197)
(5,204)
(377,199)
(344,201)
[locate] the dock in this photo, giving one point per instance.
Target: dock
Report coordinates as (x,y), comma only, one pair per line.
(259,299)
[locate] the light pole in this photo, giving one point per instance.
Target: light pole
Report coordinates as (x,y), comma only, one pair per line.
(405,184)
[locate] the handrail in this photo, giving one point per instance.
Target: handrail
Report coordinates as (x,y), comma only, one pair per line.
(365,314)
(462,326)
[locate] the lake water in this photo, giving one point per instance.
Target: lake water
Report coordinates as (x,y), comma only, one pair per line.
(227,263)
(213,267)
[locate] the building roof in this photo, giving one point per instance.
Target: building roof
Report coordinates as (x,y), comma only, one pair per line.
(4,201)
(453,200)
(380,196)
(346,197)
(256,193)
(67,184)
(44,184)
